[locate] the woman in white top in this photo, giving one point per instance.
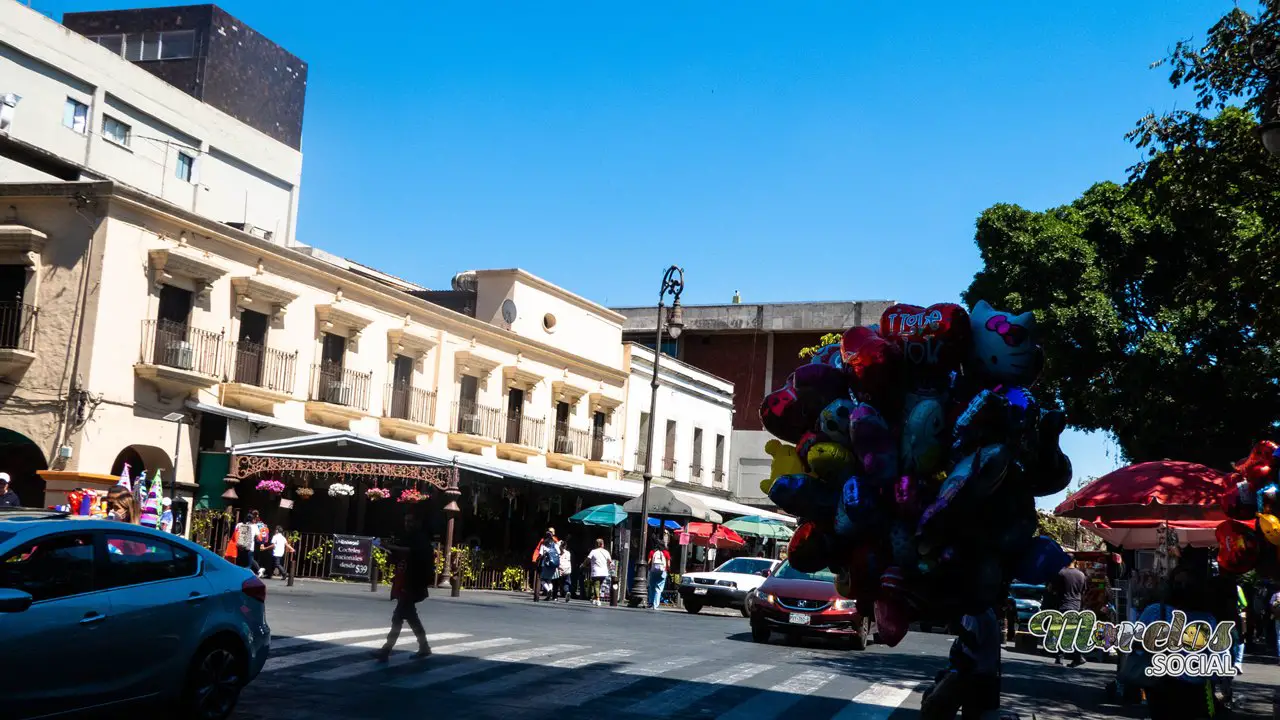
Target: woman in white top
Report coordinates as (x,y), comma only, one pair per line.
(564,583)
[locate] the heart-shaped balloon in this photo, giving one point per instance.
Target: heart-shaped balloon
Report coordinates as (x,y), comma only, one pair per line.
(872,364)
(782,415)
(935,340)
(1257,467)
(892,620)
(808,549)
(1237,547)
(804,496)
(832,462)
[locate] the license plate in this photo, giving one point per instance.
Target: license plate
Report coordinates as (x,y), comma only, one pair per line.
(700,591)
(799,619)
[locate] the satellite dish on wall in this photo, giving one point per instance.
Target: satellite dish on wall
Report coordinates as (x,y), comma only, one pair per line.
(508,311)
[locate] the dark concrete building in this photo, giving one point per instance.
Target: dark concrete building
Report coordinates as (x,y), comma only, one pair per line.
(755,346)
(211,56)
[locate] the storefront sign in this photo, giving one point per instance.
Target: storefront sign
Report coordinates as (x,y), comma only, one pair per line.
(352,557)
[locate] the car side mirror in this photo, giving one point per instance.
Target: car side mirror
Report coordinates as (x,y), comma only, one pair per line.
(766,573)
(14,601)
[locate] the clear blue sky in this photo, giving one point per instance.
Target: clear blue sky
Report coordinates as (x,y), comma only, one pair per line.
(794,151)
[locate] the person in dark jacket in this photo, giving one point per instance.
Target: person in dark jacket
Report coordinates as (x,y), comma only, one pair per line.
(419,568)
(8,498)
(1068,591)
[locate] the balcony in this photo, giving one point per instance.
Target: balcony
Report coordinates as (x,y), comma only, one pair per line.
(602,458)
(17,337)
(523,438)
(569,447)
(669,466)
(408,413)
(474,427)
(718,479)
(695,473)
(258,377)
(337,395)
(179,359)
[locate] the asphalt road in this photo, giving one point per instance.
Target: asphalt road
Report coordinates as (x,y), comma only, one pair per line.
(502,656)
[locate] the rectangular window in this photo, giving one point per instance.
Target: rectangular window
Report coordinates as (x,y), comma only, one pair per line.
(185,163)
(116,131)
(697,451)
(669,451)
(642,452)
(75,115)
(114,43)
(333,350)
(177,44)
(51,567)
(137,559)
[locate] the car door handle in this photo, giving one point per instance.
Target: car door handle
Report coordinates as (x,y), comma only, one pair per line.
(92,618)
(196,597)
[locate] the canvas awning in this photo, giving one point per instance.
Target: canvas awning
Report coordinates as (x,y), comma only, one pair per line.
(666,502)
(343,453)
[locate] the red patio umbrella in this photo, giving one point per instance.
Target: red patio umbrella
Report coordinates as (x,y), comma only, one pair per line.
(719,536)
(1166,490)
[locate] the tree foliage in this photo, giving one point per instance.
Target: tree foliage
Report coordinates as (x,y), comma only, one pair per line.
(1159,300)
(826,340)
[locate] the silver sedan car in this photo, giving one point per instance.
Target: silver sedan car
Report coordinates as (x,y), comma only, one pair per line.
(97,614)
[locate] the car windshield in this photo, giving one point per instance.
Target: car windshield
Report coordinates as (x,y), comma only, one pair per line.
(1026,592)
(745,566)
(786,572)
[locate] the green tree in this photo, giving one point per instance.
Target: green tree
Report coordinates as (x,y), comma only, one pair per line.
(1159,300)
(827,339)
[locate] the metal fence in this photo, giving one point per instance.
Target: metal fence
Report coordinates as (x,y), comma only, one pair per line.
(527,431)
(405,402)
(261,366)
(17,326)
(178,345)
(472,418)
(571,441)
(337,385)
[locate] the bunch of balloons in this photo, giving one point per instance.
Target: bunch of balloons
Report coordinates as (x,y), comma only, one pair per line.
(916,451)
(1252,502)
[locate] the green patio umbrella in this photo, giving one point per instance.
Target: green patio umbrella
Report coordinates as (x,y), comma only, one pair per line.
(602,515)
(757,526)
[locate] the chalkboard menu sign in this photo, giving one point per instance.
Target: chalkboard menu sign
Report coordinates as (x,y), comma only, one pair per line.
(352,557)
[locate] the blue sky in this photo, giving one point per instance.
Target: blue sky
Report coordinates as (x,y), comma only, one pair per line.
(792,151)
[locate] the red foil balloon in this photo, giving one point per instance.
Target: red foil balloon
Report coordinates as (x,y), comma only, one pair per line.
(934,339)
(1237,547)
(872,363)
(892,619)
(1257,467)
(807,551)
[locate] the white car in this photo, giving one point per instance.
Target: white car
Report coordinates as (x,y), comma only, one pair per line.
(726,586)
(95,614)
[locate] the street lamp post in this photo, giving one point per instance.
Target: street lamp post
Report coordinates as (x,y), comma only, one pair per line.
(179,418)
(673,285)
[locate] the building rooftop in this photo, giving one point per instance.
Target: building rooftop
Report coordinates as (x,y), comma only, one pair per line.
(763,317)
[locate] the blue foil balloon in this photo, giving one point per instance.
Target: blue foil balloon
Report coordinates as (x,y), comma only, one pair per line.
(834,422)
(828,355)
(803,496)
(1041,561)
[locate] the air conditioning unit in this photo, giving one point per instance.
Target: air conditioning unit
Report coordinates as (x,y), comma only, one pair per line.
(338,393)
(179,354)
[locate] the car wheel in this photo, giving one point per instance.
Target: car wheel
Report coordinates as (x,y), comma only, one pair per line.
(692,606)
(926,627)
(746,611)
(760,633)
(214,682)
(863,638)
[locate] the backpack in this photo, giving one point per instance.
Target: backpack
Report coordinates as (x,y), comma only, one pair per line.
(550,559)
(244,536)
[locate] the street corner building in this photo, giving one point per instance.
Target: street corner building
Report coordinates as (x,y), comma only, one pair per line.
(158,314)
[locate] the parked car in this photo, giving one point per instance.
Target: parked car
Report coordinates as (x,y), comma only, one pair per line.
(801,604)
(97,614)
(726,586)
(1024,601)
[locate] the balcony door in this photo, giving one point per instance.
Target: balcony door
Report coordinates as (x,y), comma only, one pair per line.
(251,347)
(515,413)
(401,387)
(13,285)
(172,325)
(333,353)
(562,427)
(597,435)
(468,413)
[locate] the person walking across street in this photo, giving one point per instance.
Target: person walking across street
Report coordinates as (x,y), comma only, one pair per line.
(419,569)
(547,563)
(564,582)
(1069,590)
(971,683)
(659,561)
(597,565)
(279,547)
(8,498)
(246,537)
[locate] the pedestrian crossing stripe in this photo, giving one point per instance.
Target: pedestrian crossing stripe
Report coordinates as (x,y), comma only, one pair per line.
(876,702)
(311,656)
(533,674)
(344,672)
(470,667)
(681,696)
(626,676)
(286,643)
(780,697)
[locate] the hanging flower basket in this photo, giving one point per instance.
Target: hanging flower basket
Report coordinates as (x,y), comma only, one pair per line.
(378,494)
(341,490)
(412,496)
(304,493)
(275,487)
